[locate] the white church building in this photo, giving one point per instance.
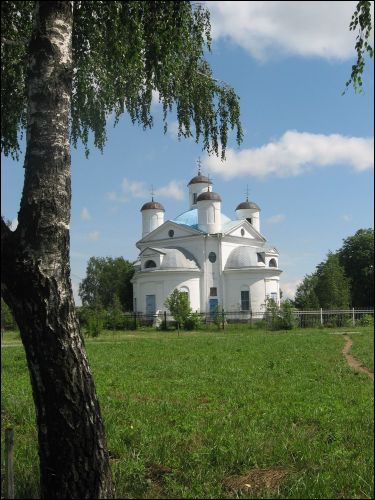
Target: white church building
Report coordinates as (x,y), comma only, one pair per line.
(217,261)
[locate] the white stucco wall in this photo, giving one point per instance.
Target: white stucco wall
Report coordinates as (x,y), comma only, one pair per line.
(237,232)
(269,257)
(272,285)
(209,216)
(196,188)
(252,214)
(226,249)
(151,219)
(235,281)
(161,284)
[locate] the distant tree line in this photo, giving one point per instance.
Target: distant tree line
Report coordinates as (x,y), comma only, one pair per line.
(345,279)
(106,293)
(107,278)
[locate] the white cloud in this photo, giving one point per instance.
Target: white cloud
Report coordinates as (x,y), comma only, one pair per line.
(347,218)
(172,190)
(275,219)
(113,196)
(129,189)
(85,214)
(155,99)
(266,29)
(94,236)
(289,288)
(139,189)
(136,189)
(173,130)
(294,154)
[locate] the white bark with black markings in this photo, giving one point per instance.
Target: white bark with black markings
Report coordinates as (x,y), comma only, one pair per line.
(36,283)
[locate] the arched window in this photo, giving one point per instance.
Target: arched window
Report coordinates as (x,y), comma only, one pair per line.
(185,290)
(272,263)
(150,263)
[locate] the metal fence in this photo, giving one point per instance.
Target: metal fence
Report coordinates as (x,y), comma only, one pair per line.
(334,317)
(302,319)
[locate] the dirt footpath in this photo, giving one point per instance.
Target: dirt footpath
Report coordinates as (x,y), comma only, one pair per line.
(352,361)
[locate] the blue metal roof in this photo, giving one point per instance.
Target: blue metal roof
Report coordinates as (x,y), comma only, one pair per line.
(190,218)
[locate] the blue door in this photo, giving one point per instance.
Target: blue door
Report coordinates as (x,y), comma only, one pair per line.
(213,305)
(150,304)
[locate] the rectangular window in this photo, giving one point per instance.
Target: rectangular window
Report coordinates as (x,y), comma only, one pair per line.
(261,258)
(150,304)
(274,296)
(194,198)
(245,300)
(213,292)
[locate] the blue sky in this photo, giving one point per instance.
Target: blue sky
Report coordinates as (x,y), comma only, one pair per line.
(307,154)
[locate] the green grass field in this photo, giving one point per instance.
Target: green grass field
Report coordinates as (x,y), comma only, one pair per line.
(239,414)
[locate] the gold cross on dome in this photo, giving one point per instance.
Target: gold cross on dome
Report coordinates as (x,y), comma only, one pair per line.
(199,163)
(208,183)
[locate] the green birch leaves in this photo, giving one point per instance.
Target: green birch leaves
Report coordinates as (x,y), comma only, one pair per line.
(125,54)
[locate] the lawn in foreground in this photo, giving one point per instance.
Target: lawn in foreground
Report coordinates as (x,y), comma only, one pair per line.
(204,415)
(363,347)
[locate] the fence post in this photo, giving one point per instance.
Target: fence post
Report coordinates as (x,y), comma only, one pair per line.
(135,320)
(321,316)
(353,316)
(9,441)
(222,317)
(165,320)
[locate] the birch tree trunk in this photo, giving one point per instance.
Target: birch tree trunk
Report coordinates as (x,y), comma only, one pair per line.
(36,283)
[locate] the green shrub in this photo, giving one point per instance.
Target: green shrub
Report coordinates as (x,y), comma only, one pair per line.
(94,321)
(260,324)
(193,322)
(115,315)
(217,317)
(129,322)
(178,304)
(337,320)
(366,320)
(280,318)
(82,315)
(286,316)
(307,321)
